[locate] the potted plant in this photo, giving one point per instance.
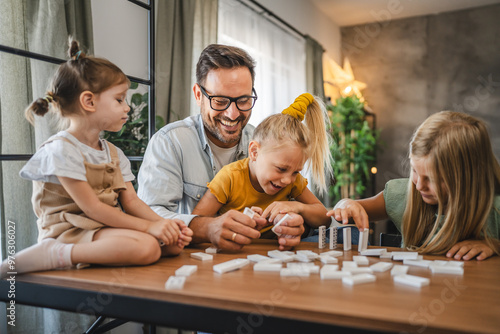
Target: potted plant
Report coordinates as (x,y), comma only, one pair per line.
(132,139)
(353,149)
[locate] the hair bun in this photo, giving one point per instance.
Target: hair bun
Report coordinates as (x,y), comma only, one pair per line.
(74,51)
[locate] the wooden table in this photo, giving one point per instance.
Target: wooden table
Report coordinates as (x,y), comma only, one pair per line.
(245,301)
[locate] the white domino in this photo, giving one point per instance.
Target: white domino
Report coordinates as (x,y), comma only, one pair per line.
(418,263)
(358,279)
(332,253)
(202,256)
(294,272)
(363,240)
(447,269)
(333,237)
(211,250)
(347,238)
(327,259)
(381,266)
(322,237)
(282,220)
(283,256)
(349,264)
(386,255)
(374,252)
(175,282)
(399,270)
(186,270)
(400,256)
(311,267)
(261,266)
(355,271)
(302,258)
(249,212)
(361,260)
(258,258)
(230,265)
(411,280)
(310,254)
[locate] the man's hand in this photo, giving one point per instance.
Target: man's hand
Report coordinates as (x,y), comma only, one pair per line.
(231,230)
(291,230)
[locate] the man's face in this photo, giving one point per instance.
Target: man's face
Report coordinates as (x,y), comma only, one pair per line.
(224,128)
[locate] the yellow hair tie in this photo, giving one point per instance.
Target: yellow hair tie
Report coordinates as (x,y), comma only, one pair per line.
(48,98)
(299,107)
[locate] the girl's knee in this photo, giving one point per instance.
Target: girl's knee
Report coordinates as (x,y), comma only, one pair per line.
(148,251)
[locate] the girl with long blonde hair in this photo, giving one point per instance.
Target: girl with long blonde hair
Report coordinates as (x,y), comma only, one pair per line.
(269,180)
(451,203)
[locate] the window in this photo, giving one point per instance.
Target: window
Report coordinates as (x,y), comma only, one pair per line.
(279,53)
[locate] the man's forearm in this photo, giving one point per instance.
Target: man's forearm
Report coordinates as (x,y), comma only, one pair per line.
(199,226)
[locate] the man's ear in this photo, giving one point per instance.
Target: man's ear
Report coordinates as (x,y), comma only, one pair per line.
(253,149)
(87,99)
(197,94)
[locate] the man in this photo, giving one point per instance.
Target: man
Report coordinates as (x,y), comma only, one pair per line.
(183,156)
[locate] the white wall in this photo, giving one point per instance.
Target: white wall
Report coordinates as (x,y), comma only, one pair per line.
(306,18)
(121,35)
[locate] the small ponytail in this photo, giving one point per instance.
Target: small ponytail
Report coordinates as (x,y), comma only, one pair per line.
(74,51)
(39,107)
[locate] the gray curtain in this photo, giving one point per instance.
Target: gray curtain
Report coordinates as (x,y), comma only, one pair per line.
(40,26)
(184,28)
(314,67)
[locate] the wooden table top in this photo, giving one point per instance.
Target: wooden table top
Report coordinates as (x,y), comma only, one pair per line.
(451,303)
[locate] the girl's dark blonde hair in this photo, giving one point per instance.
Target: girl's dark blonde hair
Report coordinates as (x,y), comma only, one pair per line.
(283,129)
(459,150)
(79,74)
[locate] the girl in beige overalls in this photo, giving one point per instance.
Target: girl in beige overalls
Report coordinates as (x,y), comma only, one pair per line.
(81,183)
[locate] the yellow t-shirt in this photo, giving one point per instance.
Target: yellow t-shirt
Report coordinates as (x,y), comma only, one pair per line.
(232,187)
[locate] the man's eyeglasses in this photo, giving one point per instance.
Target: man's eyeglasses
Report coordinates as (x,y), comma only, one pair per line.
(221,103)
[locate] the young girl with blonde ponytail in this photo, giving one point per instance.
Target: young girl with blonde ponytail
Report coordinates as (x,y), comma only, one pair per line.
(451,202)
(87,209)
(269,180)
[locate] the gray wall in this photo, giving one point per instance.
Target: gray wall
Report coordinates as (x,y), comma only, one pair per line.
(418,66)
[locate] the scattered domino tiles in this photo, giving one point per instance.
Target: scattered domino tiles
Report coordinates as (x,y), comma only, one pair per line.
(211,250)
(352,272)
(202,256)
(322,237)
(230,265)
(175,282)
(347,238)
(186,270)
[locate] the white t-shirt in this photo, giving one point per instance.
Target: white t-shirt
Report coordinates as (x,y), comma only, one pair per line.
(60,158)
(222,156)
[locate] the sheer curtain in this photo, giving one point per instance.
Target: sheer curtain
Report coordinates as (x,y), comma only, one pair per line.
(280,56)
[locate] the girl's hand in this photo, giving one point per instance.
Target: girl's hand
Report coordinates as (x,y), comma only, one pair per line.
(468,249)
(281,208)
(347,208)
(186,234)
(166,230)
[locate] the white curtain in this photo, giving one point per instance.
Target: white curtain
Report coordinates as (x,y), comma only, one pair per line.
(280,56)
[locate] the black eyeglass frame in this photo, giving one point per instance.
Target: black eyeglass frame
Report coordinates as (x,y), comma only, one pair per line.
(231,99)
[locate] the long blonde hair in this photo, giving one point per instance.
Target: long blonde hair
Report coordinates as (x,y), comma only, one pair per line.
(461,159)
(283,129)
